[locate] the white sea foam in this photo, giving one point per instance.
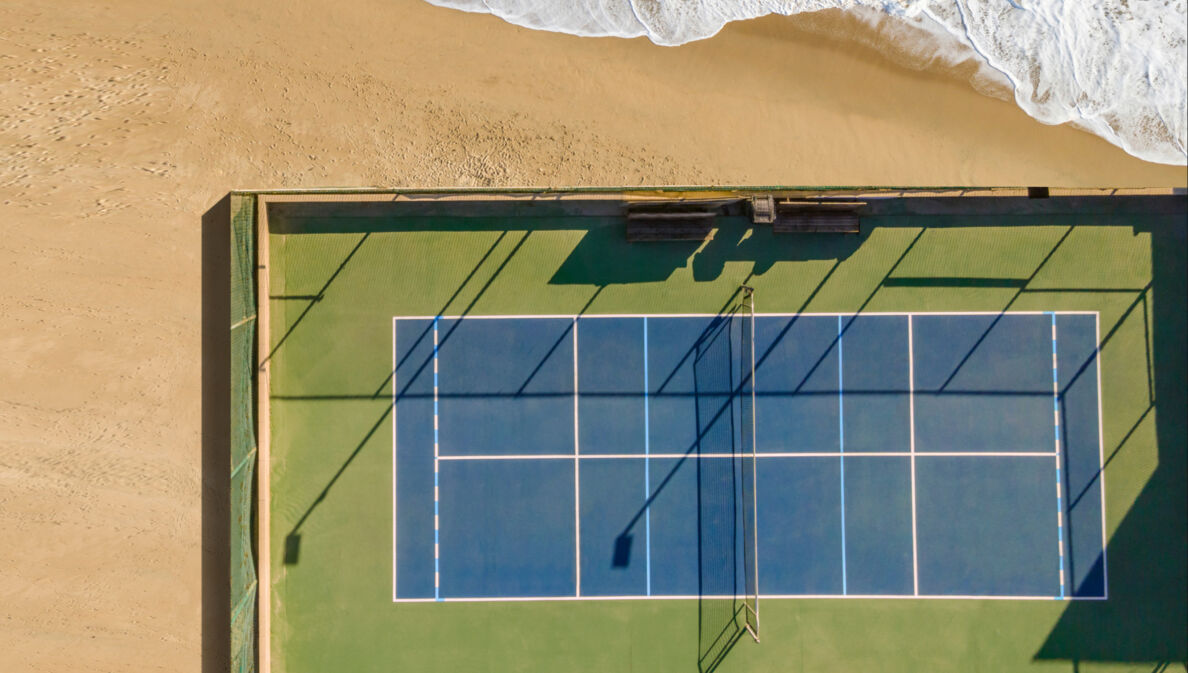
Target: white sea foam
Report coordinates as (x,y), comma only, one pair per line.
(1117,68)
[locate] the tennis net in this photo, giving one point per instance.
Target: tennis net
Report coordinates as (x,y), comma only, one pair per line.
(723,373)
(750,499)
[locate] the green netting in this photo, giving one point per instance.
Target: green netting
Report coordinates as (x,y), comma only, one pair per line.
(243,259)
(243,434)
(243,572)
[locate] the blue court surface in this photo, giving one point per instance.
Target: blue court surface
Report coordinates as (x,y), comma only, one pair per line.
(896,455)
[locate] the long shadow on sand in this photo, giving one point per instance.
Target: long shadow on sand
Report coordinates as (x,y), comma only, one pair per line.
(216,438)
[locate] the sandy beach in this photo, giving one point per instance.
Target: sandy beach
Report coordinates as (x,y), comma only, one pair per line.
(120,126)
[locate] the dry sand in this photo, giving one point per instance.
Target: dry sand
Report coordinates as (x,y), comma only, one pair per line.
(121,125)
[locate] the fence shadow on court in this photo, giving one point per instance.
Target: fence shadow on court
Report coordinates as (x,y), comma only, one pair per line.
(1144,621)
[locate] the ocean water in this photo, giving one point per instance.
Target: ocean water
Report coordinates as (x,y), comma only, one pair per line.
(1116,68)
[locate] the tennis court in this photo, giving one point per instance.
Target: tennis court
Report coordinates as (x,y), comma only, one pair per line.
(897,455)
(497,435)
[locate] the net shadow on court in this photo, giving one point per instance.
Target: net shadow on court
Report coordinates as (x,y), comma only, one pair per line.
(719,496)
(721,360)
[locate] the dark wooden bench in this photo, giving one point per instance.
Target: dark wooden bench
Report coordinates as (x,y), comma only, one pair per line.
(669,226)
(834,217)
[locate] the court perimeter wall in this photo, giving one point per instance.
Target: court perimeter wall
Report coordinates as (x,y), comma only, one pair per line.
(248,224)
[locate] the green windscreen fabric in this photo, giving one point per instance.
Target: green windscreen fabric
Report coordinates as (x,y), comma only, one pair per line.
(243,433)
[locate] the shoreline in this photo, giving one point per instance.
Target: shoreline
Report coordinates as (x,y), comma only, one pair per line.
(881,39)
(925,46)
(838,111)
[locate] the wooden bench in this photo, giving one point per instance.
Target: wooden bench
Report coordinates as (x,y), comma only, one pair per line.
(834,217)
(669,226)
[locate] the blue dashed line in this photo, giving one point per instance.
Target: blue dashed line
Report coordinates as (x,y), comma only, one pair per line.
(436,511)
(1056,425)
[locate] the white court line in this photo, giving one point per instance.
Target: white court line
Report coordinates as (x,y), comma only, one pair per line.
(898,597)
(647,466)
(841,441)
(577,514)
(584,316)
(393,459)
(912,454)
(912,426)
(1105,576)
(694,456)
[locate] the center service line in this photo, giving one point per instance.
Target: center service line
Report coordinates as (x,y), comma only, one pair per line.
(841,436)
(577,512)
(912,426)
(647,466)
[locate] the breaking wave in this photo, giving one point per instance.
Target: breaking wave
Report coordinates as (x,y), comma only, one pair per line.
(1116,68)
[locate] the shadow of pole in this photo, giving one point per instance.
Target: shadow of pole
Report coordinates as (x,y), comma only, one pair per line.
(1015,297)
(466,311)
(293,538)
(760,359)
(428,330)
(313,300)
